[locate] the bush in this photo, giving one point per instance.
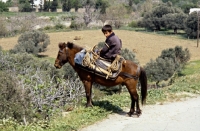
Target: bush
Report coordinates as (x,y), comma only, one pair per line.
(133,24)
(75,25)
(170,61)
(39,84)
(59,26)
(15,102)
(3,31)
(25,7)
(32,42)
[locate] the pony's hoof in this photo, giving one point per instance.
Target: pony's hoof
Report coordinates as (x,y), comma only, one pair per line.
(89,105)
(129,114)
(138,113)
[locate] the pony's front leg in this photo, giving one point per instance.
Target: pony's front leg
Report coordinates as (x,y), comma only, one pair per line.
(88,91)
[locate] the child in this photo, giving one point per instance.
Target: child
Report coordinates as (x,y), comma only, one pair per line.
(112,45)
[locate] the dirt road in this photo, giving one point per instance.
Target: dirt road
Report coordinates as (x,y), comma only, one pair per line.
(177,116)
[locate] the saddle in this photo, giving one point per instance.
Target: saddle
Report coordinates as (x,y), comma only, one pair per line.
(92,62)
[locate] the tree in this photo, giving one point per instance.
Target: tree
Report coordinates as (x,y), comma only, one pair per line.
(67,5)
(116,14)
(54,5)
(32,42)
(191,25)
(88,14)
(25,6)
(186,7)
(154,19)
(76,5)
(174,21)
(101,5)
(3,7)
(46,6)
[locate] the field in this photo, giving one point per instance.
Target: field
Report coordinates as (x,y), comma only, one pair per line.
(145,45)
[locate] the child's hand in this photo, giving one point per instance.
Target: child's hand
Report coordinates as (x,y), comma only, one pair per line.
(98,52)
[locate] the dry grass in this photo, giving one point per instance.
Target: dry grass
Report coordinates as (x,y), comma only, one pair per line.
(146,46)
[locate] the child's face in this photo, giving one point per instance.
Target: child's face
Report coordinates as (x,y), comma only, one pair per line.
(107,33)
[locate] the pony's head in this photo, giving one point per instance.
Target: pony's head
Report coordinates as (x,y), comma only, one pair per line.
(63,54)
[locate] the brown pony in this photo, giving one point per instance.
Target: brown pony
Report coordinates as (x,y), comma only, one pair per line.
(129,76)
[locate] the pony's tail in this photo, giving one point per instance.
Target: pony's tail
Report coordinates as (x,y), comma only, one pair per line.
(143,82)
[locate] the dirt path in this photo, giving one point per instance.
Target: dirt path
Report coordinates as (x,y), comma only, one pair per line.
(145,45)
(177,116)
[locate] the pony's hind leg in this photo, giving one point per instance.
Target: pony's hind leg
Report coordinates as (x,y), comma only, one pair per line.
(131,86)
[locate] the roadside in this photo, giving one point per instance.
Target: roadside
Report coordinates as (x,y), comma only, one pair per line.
(182,115)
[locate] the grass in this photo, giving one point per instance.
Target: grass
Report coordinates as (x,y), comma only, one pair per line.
(49,14)
(191,68)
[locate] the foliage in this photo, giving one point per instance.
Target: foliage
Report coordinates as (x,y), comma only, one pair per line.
(15,102)
(191,25)
(35,88)
(170,61)
(67,5)
(3,7)
(103,106)
(3,31)
(191,68)
(116,14)
(54,5)
(59,26)
(102,5)
(133,24)
(46,6)
(76,25)
(154,19)
(32,42)
(186,7)
(25,6)
(174,21)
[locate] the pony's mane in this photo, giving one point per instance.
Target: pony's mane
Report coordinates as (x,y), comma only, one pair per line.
(72,45)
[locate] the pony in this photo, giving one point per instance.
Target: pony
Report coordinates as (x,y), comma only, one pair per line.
(129,76)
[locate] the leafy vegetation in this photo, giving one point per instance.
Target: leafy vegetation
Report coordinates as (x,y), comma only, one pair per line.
(32,42)
(3,7)
(44,84)
(167,64)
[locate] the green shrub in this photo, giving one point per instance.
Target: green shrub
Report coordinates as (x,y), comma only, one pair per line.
(75,25)
(59,26)
(170,61)
(32,42)
(25,6)
(46,88)
(3,31)
(15,102)
(133,24)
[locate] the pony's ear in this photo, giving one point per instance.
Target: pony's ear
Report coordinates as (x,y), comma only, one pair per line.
(62,45)
(70,45)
